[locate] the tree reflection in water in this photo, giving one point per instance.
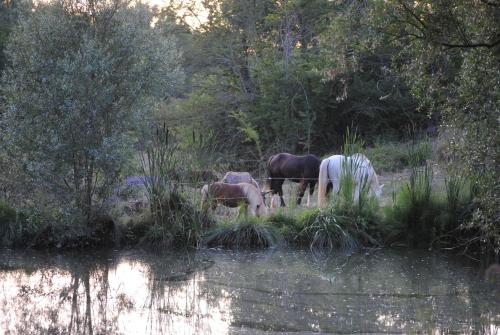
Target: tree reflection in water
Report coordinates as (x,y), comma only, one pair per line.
(214,292)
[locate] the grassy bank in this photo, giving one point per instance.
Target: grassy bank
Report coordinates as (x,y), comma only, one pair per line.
(159,213)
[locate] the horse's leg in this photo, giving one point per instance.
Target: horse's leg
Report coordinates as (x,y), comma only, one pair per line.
(302,190)
(280,192)
(311,191)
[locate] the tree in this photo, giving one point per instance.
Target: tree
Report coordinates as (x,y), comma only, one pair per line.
(449,54)
(81,77)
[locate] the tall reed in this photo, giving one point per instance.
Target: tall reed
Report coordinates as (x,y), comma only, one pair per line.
(351,216)
(175,221)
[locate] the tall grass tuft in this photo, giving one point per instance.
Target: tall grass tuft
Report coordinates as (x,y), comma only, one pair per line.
(458,206)
(175,221)
(353,143)
(419,149)
(287,226)
(325,230)
(427,217)
(247,233)
(350,219)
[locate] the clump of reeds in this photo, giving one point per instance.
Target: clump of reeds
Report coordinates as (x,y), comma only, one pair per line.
(242,234)
(422,214)
(350,218)
(175,221)
(326,230)
(287,226)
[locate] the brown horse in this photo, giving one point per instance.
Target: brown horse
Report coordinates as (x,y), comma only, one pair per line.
(299,169)
(233,195)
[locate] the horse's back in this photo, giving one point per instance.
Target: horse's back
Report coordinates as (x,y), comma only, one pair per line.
(230,195)
(233,177)
(294,166)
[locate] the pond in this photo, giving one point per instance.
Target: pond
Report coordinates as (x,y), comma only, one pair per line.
(261,292)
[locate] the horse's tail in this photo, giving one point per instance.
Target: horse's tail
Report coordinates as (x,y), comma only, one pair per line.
(268,165)
(204,196)
(267,182)
(323,181)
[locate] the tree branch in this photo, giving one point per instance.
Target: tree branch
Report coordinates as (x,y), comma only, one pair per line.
(470,45)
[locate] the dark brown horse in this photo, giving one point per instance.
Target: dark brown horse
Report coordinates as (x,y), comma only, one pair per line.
(299,169)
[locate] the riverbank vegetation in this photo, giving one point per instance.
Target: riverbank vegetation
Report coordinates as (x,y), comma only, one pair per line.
(89,89)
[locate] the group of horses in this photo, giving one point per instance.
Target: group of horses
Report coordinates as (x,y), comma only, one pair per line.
(236,188)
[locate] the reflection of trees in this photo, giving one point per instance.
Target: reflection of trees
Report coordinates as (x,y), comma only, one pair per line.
(279,291)
(68,296)
(177,301)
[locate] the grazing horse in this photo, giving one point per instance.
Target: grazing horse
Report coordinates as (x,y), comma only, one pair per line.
(331,169)
(233,195)
(299,169)
(239,177)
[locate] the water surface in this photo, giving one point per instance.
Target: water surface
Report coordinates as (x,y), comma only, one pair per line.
(223,292)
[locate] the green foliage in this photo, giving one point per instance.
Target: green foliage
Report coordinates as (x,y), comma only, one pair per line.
(346,223)
(80,80)
(427,217)
(388,157)
(287,226)
(327,231)
(415,210)
(449,57)
(353,143)
(176,222)
(248,233)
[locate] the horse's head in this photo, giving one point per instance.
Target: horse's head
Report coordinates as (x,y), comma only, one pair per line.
(261,209)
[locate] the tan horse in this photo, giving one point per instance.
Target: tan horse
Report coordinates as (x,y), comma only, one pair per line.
(233,195)
(233,177)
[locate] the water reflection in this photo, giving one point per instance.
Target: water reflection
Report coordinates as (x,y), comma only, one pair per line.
(216,292)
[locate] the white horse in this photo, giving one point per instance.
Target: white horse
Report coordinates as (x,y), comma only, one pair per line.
(233,195)
(358,165)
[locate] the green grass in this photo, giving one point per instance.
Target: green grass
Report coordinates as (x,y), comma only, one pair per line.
(180,226)
(397,156)
(424,216)
(244,233)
